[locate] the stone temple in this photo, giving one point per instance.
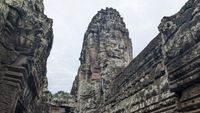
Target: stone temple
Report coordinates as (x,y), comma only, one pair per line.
(163,78)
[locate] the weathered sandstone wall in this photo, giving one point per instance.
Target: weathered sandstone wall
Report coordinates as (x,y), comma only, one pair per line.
(165,76)
(25,43)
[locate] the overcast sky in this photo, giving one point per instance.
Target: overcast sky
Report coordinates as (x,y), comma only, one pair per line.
(71,18)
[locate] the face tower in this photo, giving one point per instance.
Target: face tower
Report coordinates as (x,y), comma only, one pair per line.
(106,51)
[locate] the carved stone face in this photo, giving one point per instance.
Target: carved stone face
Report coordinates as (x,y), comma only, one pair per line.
(105,52)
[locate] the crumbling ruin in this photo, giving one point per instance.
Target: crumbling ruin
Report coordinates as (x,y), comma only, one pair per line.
(163,78)
(25,43)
